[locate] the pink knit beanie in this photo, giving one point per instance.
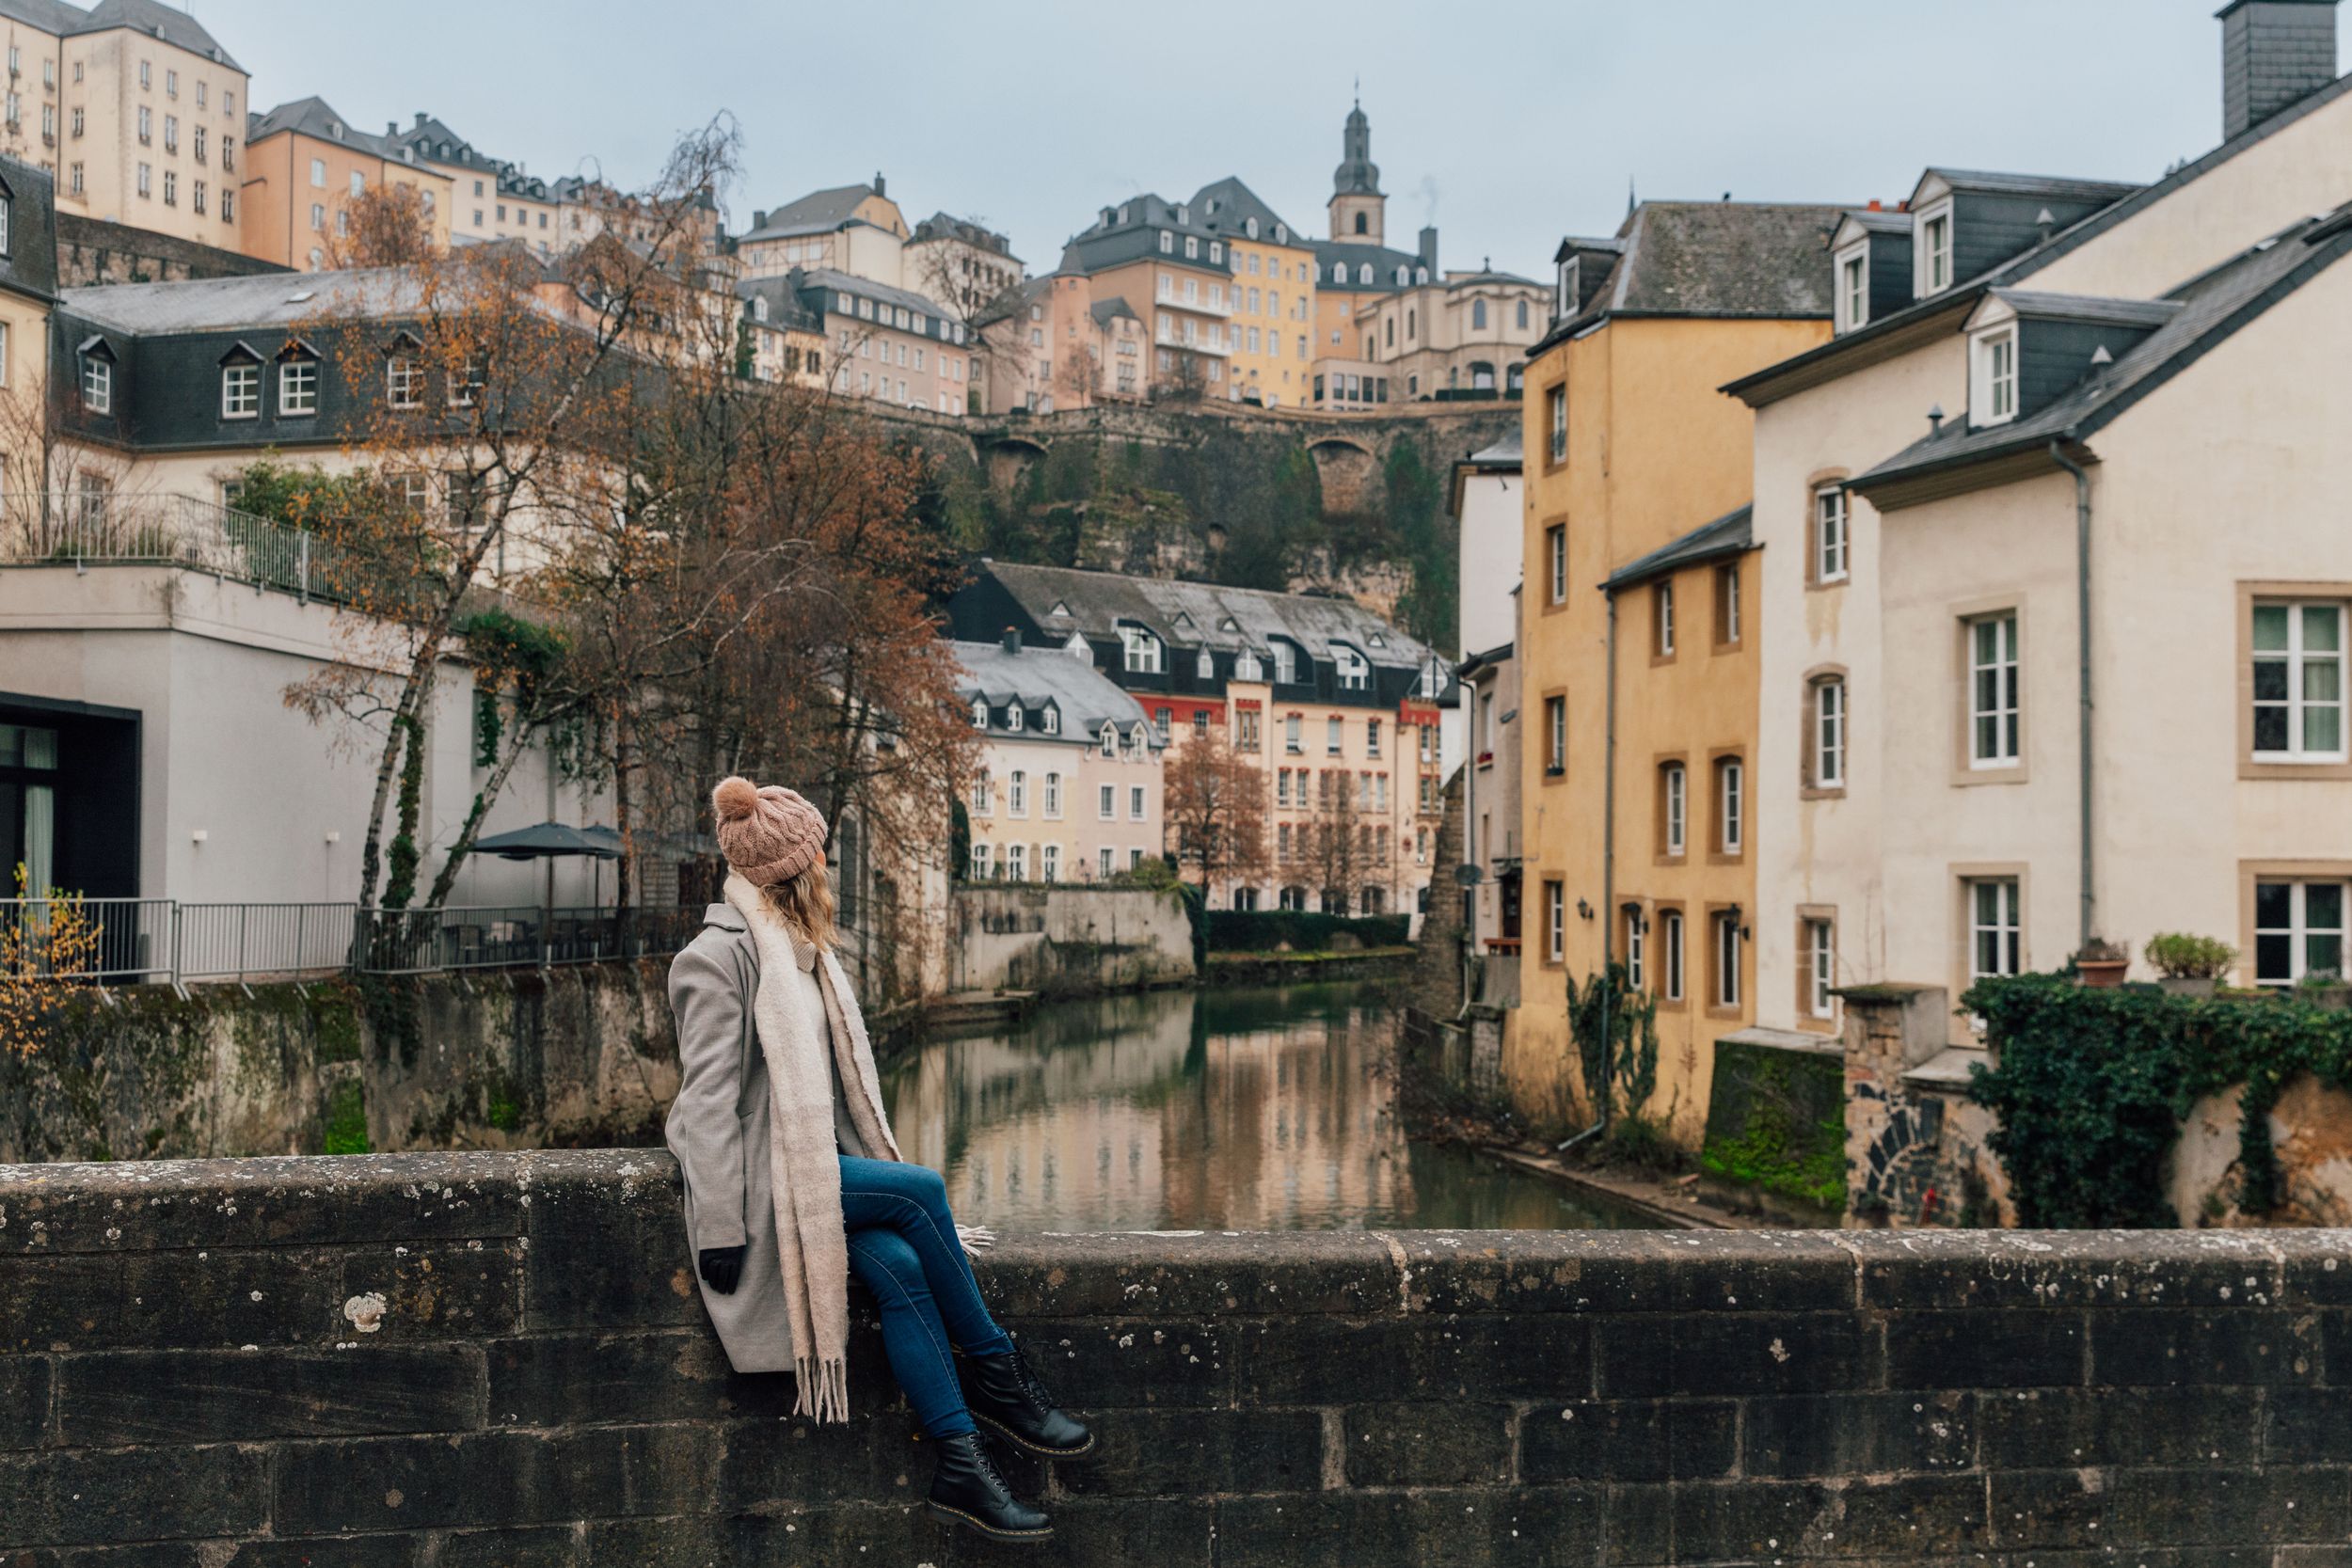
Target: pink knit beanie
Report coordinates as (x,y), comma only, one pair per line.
(768,834)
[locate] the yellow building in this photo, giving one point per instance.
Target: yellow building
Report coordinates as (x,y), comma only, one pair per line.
(1635,793)
(304,164)
(1272,295)
(1162,258)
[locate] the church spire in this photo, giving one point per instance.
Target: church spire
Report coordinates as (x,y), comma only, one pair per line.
(1357,175)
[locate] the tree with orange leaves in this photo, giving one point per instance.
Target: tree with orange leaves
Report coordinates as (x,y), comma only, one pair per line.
(1217,810)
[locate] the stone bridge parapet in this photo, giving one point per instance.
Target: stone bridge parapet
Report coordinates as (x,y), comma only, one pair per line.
(433,1360)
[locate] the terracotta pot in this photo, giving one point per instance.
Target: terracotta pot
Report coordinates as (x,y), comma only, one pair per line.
(2102,974)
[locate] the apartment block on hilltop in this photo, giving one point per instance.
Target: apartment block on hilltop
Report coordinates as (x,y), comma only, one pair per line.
(1167,264)
(1270,332)
(966,266)
(306,163)
(491,198)
(1336,708)
(855,230)
(1638,634)
(881,343)
(2045,394)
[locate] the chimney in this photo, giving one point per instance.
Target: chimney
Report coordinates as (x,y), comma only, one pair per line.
(759,218)
(391,130)
(2273,53)
(1012,639)
(420,117)
(1429,248)
(879,189)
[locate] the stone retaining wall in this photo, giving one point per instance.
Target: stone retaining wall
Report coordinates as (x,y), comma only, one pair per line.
(436,1360)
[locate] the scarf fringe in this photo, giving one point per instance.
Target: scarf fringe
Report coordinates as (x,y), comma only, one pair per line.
(830,1379)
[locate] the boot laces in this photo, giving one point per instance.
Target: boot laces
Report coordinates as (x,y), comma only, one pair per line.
(986,1461)
(1030,1384)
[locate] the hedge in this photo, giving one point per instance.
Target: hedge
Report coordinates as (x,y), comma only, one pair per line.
(2094,1083)
(1300,930)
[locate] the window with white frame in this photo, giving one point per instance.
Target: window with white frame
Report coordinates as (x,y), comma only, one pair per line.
(1995,932)
(1015,718)
(98,384)
(1731,783)
(1556,561)
(1049,720)
(2298,930)
(1334,735)
(1828,746)
(1016,862)
(1142,650)
(1293,743)
(1556,411)
(1996,380)
(1636,947)
(1204,665)
(984,794)
(1136,799)
(1674,805)
(1854,287)
(1555,735)
(1726,960)
(2298,676)
(981,862)
(404,382)
(1992,730)
(1103,862)
(1109,740)
(1049,863)
(980,713)
(1053,794)
(241,391)
(298,387)
(1017,794)
(1829,534)
(1285,663)
(1555,922)
(1107,802)
(1670,954)
(1354,673)
(1662,619)
(1820,967)
(1934,245)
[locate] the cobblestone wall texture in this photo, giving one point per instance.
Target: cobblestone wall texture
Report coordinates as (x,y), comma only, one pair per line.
(436,1360)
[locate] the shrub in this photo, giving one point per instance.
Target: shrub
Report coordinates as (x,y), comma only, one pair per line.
(2094,1086)
(2177,956)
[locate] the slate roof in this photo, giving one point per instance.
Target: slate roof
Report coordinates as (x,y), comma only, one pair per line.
(2064,243)
(1884,221)
(2209,309)
(1098,601)
(168,22)
(30,266)
(227,304)
(2055,187)
(1763,260)
(50,16)
(315,117)
(818,213)
(1227,205)
(1106,311)
(1506,453)
(1105,245)
(2085,307)
(1085,696)
(1383,264)
(1728,536)
(841,282)
(940,226)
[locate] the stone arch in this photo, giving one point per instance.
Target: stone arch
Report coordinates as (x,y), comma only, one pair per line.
(1346,469)
(1009,458)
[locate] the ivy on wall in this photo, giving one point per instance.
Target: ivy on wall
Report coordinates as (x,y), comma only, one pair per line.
(2094,1086)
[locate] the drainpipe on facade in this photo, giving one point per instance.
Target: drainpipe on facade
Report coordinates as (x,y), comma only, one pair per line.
(1608,880)
(2082,672)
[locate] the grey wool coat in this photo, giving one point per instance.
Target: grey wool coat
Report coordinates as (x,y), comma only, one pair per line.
(718,1129)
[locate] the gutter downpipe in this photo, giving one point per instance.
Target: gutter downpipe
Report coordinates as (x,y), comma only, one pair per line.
(2082,673)
(1608,877)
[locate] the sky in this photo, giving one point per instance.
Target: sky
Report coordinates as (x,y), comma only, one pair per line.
(1506,122)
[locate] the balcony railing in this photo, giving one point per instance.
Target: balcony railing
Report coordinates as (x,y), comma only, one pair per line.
(83,527)
(166,942)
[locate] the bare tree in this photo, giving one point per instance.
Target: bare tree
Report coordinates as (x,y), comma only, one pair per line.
(1217,810)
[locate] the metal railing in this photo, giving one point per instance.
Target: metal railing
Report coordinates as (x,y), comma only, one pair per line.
(107,527)
(166,941)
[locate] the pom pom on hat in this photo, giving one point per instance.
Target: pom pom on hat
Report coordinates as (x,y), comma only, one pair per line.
(768,834)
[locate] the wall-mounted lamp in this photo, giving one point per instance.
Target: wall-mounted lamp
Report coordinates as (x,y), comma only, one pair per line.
(1584,910)
(198,836)
(1732,915)
(334,835)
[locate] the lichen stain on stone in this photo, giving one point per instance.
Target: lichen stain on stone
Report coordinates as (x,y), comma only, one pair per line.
(366,1311)
(1056,1279)
(681,1285)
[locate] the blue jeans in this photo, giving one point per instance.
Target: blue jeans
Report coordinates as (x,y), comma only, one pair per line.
(903,1245)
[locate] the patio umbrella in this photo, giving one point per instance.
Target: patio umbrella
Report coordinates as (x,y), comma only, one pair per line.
(552,842)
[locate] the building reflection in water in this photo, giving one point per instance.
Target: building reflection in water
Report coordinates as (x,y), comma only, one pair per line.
(1260,1110)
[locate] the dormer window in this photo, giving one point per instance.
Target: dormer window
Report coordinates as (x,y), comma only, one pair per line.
(241,384)
(1142,650)
(5,204)
(1285,664)
(1049,720)
(98,376)
(1250,226)
(1246,668)
(1204,665)
(1183,214)
(1167,242)
(1079,648)
(1013,715)
(1354,673)
(1935,250)
(1854,287)
(1993,378)
(980,713)
(1281,233)
(1109,740)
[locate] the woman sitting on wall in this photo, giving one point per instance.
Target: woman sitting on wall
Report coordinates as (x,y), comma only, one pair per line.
(793,1181)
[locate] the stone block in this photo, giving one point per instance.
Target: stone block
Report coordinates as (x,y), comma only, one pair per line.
(1533,1526)
(765,1464)
(1858,1433)
(439,1289)
(2227,1506)
(1192,1452)
(1626,1271)
(1094,1364)
(1730,1353)
(2237,1348)
(153,1554)
(1454,1443)
(224,1299)
(173,1397)
(491,1479)
(1215,1275)
(543,1546)
(565,1379)
(1958,1270)
(57,1304)
(2025,1430)
(2008,1349)
(25,1382)
(397,1550)
(1904,1517)
(1540,1356)
(885,1534)
(79,1496)
(610,1252)
(2041,1509)
(2315,1267)
(1629,1441)
(2302,1426)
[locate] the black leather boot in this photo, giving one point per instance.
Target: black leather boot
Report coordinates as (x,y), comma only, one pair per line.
(966,1489)
(1007,1398)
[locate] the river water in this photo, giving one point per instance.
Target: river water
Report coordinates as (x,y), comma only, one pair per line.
(1223,1110)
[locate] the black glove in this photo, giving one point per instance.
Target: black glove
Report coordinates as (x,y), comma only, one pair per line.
(722,1268)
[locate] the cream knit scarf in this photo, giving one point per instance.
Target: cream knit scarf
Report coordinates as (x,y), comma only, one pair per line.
(804,1174)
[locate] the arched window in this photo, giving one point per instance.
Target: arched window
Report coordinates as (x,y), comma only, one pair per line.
(1478,315)
(980,713)
(1013,716)
(1404,276)
(1339,271)
(1109,740)
(1205,666)
(1050,720)
(1250,226)
(1363,272)
(1523,316)
(1363,224)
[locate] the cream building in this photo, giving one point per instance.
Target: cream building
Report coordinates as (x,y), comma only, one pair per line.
(305,165)
(491,198)
(1887,851)
(1051,344)
(1170,266)
(1067,786)
(1460,334)
(137,110)
(880,342)
(855,230)
(966,266)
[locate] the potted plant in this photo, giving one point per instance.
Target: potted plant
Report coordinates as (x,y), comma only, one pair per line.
(2188,965)
(2325,987)
(2102,965)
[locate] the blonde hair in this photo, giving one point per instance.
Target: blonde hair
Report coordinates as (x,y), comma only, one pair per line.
(805,902)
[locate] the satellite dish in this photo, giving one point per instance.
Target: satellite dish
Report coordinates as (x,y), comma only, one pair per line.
(1468,875)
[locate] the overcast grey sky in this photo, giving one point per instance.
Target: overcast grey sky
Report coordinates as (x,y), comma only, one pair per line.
(1511,122)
